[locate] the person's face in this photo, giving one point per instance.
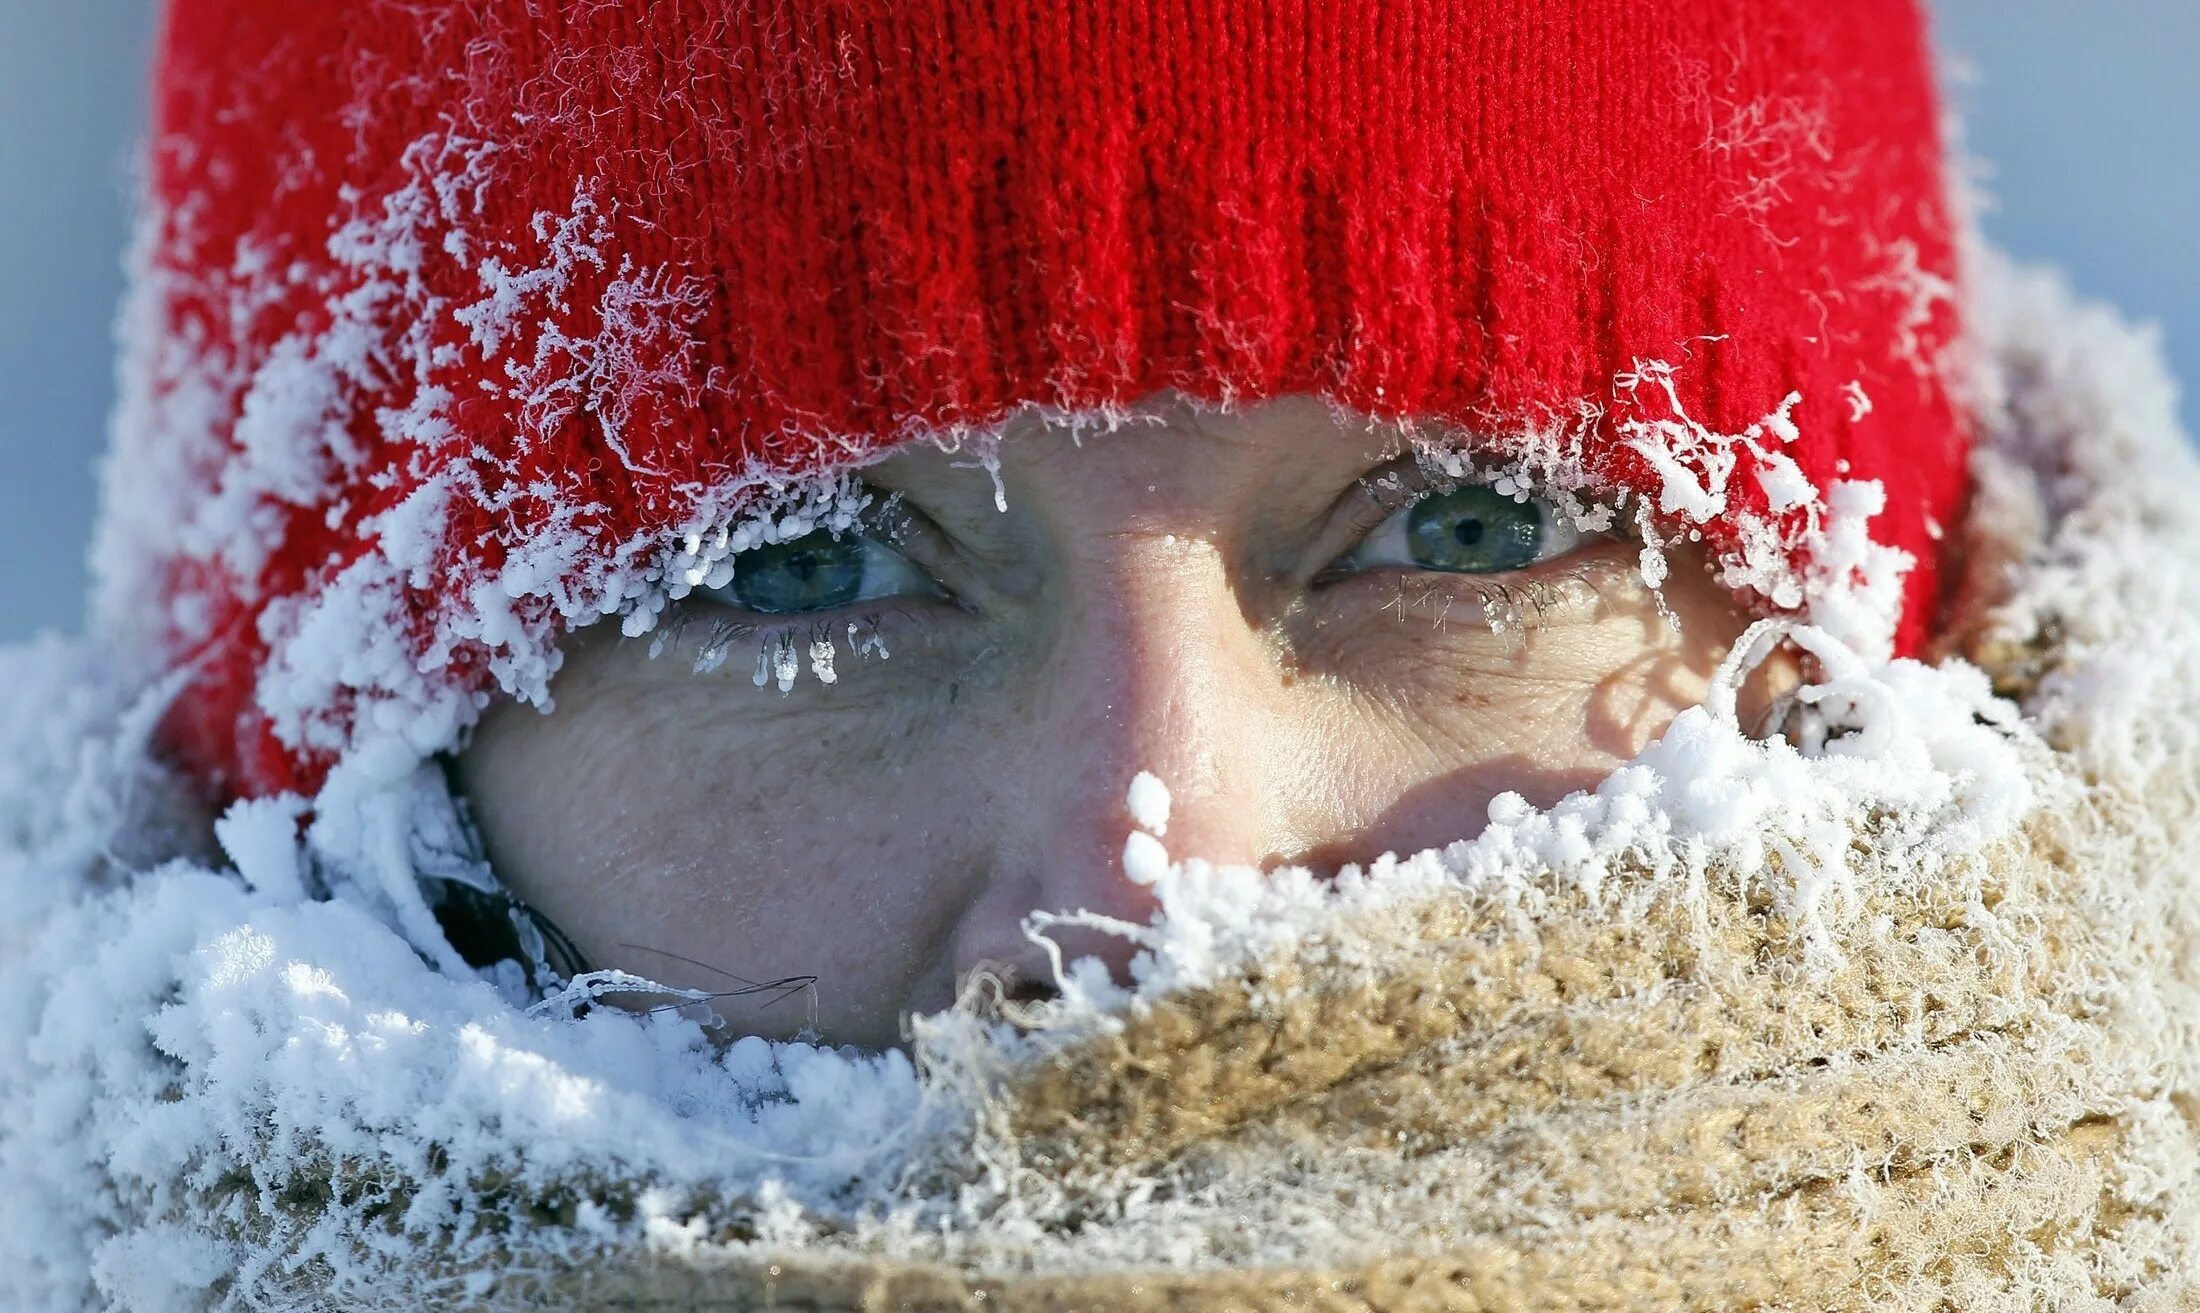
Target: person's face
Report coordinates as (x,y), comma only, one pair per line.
(1254,607)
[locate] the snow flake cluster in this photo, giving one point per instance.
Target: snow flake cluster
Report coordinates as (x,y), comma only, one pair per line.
(1803,552)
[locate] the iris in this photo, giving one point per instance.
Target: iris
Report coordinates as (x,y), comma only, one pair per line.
(815,572)
(1467,529)
(1473,530)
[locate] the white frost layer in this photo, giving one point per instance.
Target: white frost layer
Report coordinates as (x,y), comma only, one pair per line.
(176,1021)
(198,1023)
(291,1033)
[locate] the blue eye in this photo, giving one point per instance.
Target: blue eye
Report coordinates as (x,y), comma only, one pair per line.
(820,571)
(1467,530)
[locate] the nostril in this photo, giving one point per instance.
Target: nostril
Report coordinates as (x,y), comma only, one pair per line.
(1325,860)
(999,984)
(1020,988)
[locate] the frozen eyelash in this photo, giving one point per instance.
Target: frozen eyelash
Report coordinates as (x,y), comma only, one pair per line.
(1518,608)
(782,650)
(1434,471)
(1438,467)
(1505,607)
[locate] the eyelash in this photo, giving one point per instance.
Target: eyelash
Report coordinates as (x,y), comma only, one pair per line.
(798,637)
(1528,601)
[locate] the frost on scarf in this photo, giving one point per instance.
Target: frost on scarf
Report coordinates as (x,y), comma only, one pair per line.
(225,1093)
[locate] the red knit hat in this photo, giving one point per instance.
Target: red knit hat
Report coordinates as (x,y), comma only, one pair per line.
(460,322)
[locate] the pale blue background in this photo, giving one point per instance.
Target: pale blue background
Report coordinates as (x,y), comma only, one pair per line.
(2089,110)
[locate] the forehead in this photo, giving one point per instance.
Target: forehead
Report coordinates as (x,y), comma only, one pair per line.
(1166,443)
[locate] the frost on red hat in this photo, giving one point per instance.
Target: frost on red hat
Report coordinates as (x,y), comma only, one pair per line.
(460,322)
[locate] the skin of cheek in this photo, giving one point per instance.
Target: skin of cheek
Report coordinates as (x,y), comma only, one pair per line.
(659,812)
(881,834)
(1444,716)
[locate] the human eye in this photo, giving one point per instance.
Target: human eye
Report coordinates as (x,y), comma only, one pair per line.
(1468,529)
(822,570)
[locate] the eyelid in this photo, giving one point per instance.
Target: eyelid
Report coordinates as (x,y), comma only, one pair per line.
(983,568)
(1358,508)
(893,523)
(898,525)
(1387,491)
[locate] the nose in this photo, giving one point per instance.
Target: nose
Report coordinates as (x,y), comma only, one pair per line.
(1153,667)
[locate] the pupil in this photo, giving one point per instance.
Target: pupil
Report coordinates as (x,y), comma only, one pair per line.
(1468,533)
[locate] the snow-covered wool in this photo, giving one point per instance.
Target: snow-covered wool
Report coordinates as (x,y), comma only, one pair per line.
(1902,1015)
(462,322)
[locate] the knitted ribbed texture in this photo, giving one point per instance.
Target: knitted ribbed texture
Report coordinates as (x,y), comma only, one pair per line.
(545,279)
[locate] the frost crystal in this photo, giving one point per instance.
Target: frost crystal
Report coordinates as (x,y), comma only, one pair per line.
(1145,861)
(1149,803)
(785,666)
